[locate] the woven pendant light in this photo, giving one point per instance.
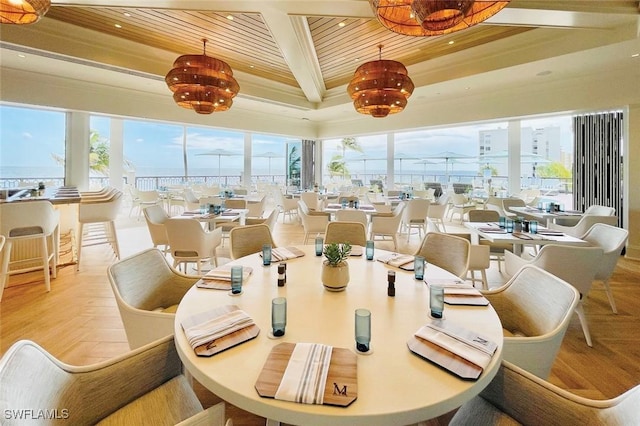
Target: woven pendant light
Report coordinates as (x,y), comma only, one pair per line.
(433,17)
(202,83)
(22,11)
(379,88)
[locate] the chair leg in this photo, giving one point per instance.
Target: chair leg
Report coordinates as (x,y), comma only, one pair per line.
(80,232)
(4,272)
(607,289)
(485,283)
(583,323)
(45,263)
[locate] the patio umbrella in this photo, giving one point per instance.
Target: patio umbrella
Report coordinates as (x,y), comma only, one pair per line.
(424,165)
(269,155)
(220,153)
(448,157)
(528,156)
(402,156)
(364,159)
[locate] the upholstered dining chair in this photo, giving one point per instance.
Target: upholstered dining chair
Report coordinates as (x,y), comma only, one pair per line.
(288,206)
(147,291)
(479,260)
(496,249)
(156,216)
(144,386)
(249,239)
(460,205)
(446,251)
(189,242)
(576,265)
(33,220)
(437,213)
(584,224)
(507,203)
(535,308)
(611,240)
(516,396)
(310,199)
(353,233)
(387,225)
(97,219)
(349,215)
(312,223)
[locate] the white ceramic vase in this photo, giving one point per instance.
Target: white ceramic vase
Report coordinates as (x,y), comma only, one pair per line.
(335,278)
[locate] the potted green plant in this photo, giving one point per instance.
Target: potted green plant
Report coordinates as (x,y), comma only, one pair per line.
(335,269)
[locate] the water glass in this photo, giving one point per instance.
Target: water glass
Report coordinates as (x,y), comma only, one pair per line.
(236,279)
(418,267)
(266,254)
(509,225)
(369,250)
(278,316)
(502,221)
(319,246)
(363,329)
(533,226)
(436,300)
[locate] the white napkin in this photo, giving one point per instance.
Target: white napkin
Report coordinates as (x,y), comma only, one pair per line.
(223,273)
(215,328)
(396,259)
(285,253)
(460,341)
(306,374)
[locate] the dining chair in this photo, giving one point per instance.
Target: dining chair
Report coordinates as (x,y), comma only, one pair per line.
(496,249)
(144,386)
(507,203)
(446,251)
(415,216)
(147,291)
(310,199)
(353,233)
(189,242)
(460,205)
(535,309)
(437,213)
(256,209)
(386,226)
(97,224)
(32,220)
(156,216)
(515,396)
(479,260)
(584,224)
(288,206)
(598,210)
(190,201)
(349,215)
(270,220)
(611,240)
(145,199)
(576,265)
(249,239)
(312,224)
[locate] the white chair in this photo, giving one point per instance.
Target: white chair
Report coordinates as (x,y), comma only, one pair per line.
(415,216)
(310,199)
(598,210)
(576,265)
(97,224)
(496,249)
(584,224)
(147,292)
(144,386)
(516,396)
(190,243)
(33,220)
(249,239)
(387,226)
(535,308)
(437,213)
(446,251)
(507,203)
(312,224)
(353,233)
(288,206)
(256,209)
(479,260)
(352,216)
(611,240)
(190,201)
(460,205)
(156,216)
(142,199)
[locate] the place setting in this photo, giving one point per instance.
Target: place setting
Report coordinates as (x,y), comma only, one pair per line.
(221,278)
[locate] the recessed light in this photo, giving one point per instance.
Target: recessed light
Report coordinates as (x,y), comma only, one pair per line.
(127,14)
(21,55)
(451,42)
(543,73)
(118,26)
(230,17)
(251,66)
(635,55)
(341,24)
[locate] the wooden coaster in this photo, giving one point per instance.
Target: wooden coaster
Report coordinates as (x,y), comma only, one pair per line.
(445,359)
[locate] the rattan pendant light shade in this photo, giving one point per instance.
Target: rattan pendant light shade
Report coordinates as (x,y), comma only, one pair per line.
(22,11)
(202,83)
(433,17)
(379,88)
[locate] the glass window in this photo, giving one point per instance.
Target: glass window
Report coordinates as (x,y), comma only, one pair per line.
(99,151)
(215,156)
(268,162)
(32,146)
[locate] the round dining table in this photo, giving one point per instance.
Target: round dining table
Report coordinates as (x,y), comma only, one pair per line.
(394,385)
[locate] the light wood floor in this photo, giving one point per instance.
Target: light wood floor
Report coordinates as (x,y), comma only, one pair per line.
(78,321)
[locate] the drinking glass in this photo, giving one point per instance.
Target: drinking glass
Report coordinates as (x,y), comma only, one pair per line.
(436,300)
(509,225)
(319,246)
(363,329)
(369,250)
(418,267)
(266,254)
(278,316)
(533,226)
(236,279)
(502,222)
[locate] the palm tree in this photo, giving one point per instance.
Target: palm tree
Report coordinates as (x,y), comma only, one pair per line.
(337,165)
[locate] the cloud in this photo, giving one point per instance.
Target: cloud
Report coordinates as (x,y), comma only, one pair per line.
(27,135)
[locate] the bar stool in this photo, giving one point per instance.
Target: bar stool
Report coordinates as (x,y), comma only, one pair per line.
(27,220)
(103,213)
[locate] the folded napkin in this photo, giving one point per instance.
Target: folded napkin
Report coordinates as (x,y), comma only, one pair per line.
(228,213)
(550,232)
(190,213)
(396,259)
(306,374)
(223,273)
(279,254)
(522,236)
(215,327)
(460,341)
(492,230)
(356,251)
